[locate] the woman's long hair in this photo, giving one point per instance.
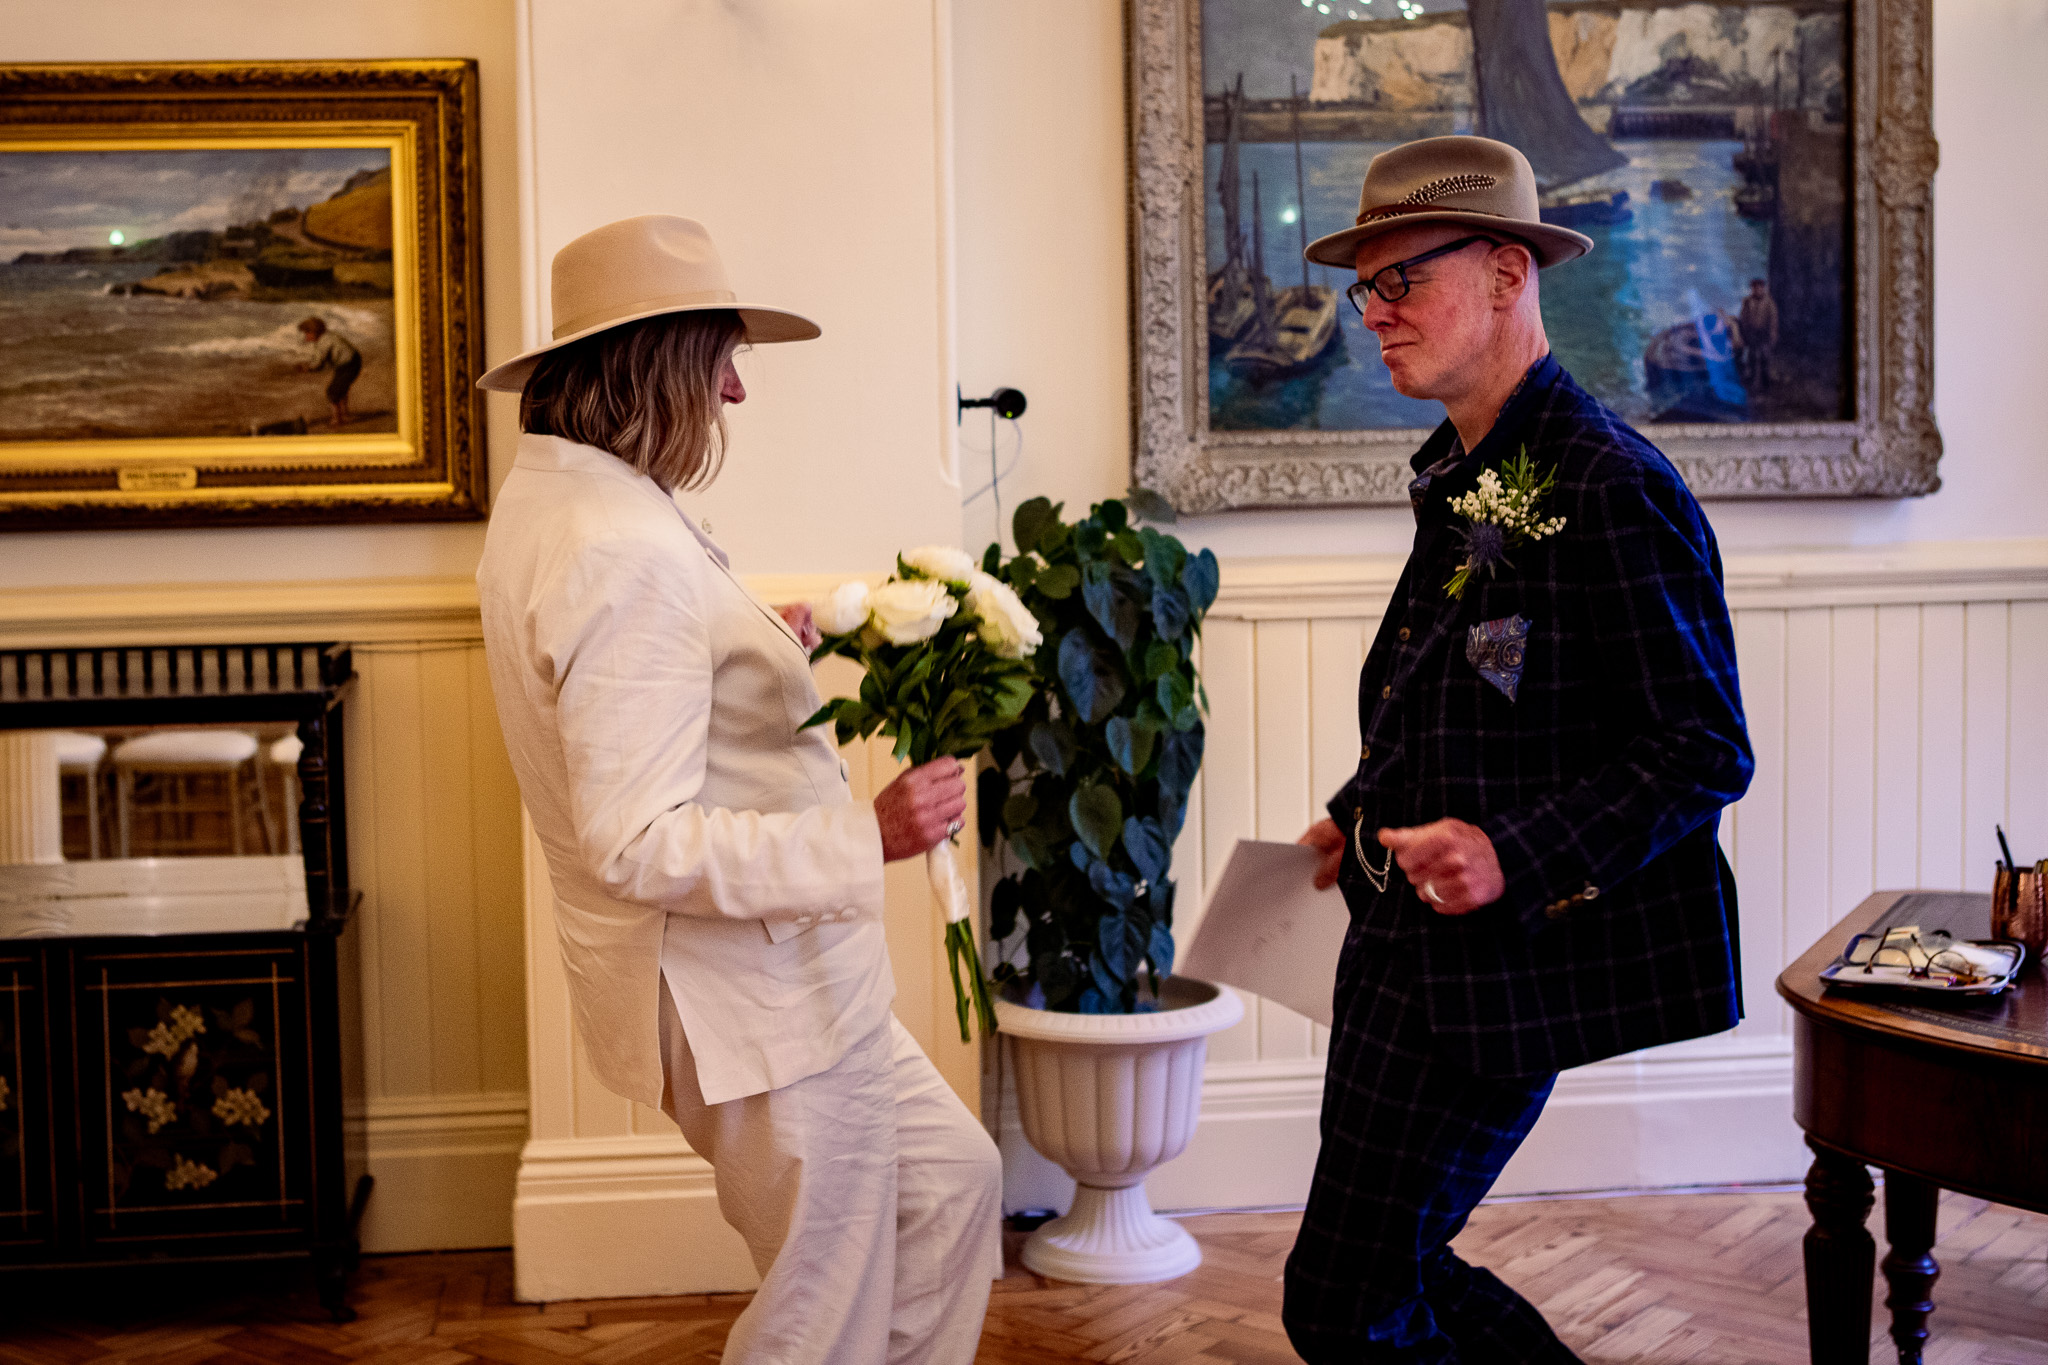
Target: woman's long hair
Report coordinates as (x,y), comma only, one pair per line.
(646,391)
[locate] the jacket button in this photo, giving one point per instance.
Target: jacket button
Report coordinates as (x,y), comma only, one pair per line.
(1401,634)
(1365,753)
(1386,692)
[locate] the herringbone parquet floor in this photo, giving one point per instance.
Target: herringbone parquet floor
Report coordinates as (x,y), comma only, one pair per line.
(1708,1278)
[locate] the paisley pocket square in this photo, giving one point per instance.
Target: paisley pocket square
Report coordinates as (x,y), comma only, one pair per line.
(1496,648)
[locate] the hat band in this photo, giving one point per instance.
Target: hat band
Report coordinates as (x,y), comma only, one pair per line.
(1401,210)
(702,298)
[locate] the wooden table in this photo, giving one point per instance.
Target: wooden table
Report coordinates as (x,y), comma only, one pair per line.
(1941,1092)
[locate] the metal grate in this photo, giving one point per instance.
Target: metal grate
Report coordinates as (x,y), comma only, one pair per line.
(165,672)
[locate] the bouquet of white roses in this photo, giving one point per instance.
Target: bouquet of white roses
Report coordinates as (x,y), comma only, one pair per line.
(945,648)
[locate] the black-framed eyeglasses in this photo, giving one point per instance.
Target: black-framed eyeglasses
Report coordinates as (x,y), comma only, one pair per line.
(1391,282)
(1921,957)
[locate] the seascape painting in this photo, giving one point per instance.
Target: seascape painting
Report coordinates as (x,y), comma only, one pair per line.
(159,293)
(1703,146)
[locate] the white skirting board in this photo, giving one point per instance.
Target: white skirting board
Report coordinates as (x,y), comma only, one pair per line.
(444,1167)
(1711,1112)
(621,1217)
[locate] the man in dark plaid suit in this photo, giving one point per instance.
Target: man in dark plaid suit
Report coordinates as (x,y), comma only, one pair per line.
(1529,846)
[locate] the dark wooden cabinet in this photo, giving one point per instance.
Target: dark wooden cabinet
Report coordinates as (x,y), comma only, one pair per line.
(28,1177)
(179,1095)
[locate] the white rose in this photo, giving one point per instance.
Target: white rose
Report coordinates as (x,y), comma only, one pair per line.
(1007,625)
(844,611)
(941,562)
(907,610)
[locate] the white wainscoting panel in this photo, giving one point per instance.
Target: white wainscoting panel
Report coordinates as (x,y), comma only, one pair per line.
(1893,698)
(434,850)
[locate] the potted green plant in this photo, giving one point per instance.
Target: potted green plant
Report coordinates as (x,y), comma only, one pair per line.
(1082,802)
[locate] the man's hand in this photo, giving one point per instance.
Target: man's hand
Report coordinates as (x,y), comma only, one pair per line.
(797,616)
(1327,839)
(919,808)
(1450,863)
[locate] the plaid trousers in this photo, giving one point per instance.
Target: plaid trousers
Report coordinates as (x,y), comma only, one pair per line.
(1411,1142)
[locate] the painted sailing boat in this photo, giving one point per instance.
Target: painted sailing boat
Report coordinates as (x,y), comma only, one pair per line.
(1292,329)
(1230,294)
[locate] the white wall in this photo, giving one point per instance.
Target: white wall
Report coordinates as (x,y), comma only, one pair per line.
(250,30)
(810,139)
(1041,212)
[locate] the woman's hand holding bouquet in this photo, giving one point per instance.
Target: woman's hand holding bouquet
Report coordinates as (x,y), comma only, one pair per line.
(945,648)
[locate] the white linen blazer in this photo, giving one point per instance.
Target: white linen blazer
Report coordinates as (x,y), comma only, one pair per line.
(651,707)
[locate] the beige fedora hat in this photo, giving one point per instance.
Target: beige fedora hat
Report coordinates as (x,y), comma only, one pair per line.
(642,268)
(1470,180)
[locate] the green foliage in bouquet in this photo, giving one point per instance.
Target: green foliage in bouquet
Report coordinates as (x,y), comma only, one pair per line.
(942,696)
(1089,787)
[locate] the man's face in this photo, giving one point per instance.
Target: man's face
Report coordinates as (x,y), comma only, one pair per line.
(1431,337)
(1756,289)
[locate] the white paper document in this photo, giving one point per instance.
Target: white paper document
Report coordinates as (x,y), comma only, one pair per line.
(1269,931)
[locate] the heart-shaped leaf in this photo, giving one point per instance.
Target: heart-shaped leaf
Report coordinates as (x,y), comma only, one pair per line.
(1173,693)
(1019,809)
(1180,758)
(1113,951)
(1117,888)
(1199,580)
(1147,505)
(1165,557)
(1052,744)
(1169,613)
(1130,745)
(1058,582)
(1030,522)
(1173,813)
(1150,851)
(1093,679)
(1098,817)
(1110,605)
(1159,951)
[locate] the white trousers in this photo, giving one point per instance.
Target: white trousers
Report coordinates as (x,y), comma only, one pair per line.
(870,1199)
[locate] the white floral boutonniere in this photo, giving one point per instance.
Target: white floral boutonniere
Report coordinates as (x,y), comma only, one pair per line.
(1505,513)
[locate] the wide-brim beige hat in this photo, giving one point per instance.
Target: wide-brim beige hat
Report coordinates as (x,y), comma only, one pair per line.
(642,268)
(1470,180)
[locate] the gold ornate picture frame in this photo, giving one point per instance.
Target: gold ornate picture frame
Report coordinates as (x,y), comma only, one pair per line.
(240,294)
(1365,78)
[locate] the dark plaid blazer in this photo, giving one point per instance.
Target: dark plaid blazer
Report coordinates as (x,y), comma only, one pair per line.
(1600,780)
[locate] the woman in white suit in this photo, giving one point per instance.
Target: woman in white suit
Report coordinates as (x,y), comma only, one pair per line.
(718,892)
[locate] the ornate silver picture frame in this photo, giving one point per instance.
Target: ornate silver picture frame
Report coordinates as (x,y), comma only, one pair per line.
(1885,445)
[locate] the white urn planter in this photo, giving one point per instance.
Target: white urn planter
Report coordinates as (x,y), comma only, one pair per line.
(1108,1097)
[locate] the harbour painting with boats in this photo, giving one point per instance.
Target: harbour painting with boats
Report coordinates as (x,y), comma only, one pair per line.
(1703,147)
